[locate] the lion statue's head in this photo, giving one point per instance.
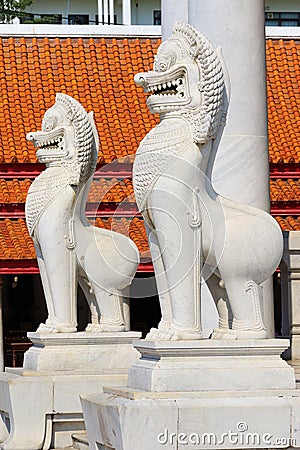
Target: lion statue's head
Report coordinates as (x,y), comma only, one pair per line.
(68,138)
(188,80)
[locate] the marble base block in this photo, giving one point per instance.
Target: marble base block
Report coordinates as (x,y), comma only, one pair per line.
(84,352)
(135,420)
(212,365)
(204,394)
(40,404)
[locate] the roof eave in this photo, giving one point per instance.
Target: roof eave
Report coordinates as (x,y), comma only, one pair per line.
(283,32)
(40,30)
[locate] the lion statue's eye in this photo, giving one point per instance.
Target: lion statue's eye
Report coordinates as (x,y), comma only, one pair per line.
(165,61)
(49,126)
(163,66)
(49,123)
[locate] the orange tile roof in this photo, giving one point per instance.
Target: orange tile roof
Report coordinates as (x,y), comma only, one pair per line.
(102,190)
(14,191)
(15,242)
(114,190)
(289,223)
(283,81)
(134,228)
(99,73)
(96,71)
(285,190)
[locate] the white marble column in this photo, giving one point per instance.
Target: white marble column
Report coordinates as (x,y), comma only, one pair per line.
(111,11)
(105,11)
(100,12)
(241,169)
(126,7)
(171,11)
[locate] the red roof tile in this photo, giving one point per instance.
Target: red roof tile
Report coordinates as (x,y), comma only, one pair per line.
(99,73)
(134,228)
(14,191)
(289,223)
(16,244)
(114,190)
(102,190)
(285,190)
(96,71)
(283,80)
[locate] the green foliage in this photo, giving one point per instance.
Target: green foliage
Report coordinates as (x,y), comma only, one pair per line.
(9,9)
(46,19)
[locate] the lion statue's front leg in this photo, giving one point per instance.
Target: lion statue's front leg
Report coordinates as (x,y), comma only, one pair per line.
(57,265)
(173,226)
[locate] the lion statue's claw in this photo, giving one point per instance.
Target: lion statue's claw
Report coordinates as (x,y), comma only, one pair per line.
(100,328)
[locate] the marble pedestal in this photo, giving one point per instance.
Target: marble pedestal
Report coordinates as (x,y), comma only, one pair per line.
(39,403)
(216,365)
(199,394)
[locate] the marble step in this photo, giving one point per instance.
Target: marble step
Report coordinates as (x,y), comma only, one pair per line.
(80,441)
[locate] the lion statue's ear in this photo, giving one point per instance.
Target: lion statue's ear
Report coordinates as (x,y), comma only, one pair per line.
(194,49)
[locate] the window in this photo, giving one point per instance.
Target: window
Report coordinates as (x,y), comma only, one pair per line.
(157,17)
(41,18)
(282,19)
(78,19)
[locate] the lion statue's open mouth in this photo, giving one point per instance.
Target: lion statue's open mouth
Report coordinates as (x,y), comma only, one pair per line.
(169,90)
(50,144)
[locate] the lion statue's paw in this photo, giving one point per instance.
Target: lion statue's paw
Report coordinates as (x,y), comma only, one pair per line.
(51,327)
(104,328)
(170,333)
(45,328)
(184,335)
(238,334)
(225,333)
(250,334)
(155,334)
(160,333)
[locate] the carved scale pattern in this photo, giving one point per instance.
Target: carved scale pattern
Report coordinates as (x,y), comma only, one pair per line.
(45,188)
(157,151)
